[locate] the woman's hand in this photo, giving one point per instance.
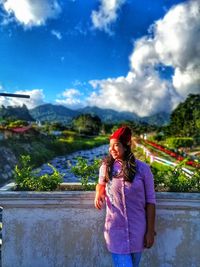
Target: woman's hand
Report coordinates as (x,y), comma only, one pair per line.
(149,239)
(99,200)
(150,232)
(100,196)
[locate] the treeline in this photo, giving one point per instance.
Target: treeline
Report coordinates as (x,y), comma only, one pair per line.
(12,113)
(185,119)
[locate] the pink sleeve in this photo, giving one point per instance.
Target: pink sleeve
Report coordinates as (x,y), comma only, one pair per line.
(102,174)
(149,186)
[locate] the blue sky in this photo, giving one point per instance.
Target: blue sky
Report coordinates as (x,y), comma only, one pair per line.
(139,56)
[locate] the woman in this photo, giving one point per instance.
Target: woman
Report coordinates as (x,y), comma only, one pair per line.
(127,185)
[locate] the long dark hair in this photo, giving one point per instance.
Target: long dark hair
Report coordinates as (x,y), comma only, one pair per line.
(128,165)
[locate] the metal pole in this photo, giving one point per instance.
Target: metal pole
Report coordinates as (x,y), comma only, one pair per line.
(14,95)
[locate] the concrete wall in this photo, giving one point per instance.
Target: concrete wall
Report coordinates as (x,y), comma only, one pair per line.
(63,229)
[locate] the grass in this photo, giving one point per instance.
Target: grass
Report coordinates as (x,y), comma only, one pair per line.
(43,149)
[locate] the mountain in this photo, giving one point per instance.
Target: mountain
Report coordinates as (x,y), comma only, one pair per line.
(15,113)
(53,113)
(185,118)
(109,115)
(49,112)
(158,119)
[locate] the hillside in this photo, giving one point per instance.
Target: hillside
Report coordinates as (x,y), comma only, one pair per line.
(15,113)
(52,113)
(185,119)
(49,112)
(158,119)
(109,115)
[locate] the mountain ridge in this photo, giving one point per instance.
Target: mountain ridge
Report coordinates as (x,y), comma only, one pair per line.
(51,112)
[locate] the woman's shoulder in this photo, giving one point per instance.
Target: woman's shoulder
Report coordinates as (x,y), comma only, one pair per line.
(141,165)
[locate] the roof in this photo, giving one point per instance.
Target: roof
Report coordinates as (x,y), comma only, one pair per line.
(21,129)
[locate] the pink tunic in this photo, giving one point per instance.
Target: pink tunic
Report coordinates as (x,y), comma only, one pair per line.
(125,223)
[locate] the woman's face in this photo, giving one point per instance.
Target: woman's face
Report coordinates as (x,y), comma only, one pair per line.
(116,149)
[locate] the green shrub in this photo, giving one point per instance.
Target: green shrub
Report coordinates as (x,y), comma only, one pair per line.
(159,177)
(175,180)
(86,172)
(27,180)
(176,142)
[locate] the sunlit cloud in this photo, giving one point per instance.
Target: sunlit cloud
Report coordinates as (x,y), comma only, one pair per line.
(106,15)
(173,42)
(56,34)
(30,13)
(36,98)
(70,98)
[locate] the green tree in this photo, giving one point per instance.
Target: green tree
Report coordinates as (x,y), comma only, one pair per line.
(11,113)
(87,124)
(184,120)
(17,123)
(27,179)
(86,171)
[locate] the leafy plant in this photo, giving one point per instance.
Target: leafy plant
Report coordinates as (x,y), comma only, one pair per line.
(24,172)
(86,172)
(176,142)
(87,124)
(27,180)
(175,180)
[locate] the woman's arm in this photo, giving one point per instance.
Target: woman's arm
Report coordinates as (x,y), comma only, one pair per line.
(150,232)
(100,187)
(100,196)
(150,208)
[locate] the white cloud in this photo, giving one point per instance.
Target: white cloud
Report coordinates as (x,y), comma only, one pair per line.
(174,42)
(106,14)
(143,96)
(177,39)
(31,13)
(70,98)
(36,98)
(57,34)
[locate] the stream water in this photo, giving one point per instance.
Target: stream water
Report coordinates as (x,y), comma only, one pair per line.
(64,163)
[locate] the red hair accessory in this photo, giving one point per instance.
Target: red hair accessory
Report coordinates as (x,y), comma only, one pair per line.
(122,134)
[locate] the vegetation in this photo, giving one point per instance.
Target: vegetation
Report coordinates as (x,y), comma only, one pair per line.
(177,142)
(17,123)
(57,113)
(174,179)
(15,113)
(87,172)
(28,180)
(183,132)
(53,113)
(43,148)
(185,119)
(87,124)
(165,178)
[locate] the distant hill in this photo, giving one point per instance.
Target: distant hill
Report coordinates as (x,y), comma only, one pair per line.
(50,112)
(109,115)
(159,119)
(15,113)
(185,118)
(186,115)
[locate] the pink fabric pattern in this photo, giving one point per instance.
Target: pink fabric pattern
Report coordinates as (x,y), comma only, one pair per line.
(125,223)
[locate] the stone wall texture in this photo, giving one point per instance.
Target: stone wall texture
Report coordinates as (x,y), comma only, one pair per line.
(63,229)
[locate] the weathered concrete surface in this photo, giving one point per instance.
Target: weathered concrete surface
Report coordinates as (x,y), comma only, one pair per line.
(63,229)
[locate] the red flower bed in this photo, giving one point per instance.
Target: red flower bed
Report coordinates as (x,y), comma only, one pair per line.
(172,154)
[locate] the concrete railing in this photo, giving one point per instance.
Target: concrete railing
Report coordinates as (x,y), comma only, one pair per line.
(63,229)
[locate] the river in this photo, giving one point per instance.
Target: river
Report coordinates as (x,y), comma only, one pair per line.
(64,163)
